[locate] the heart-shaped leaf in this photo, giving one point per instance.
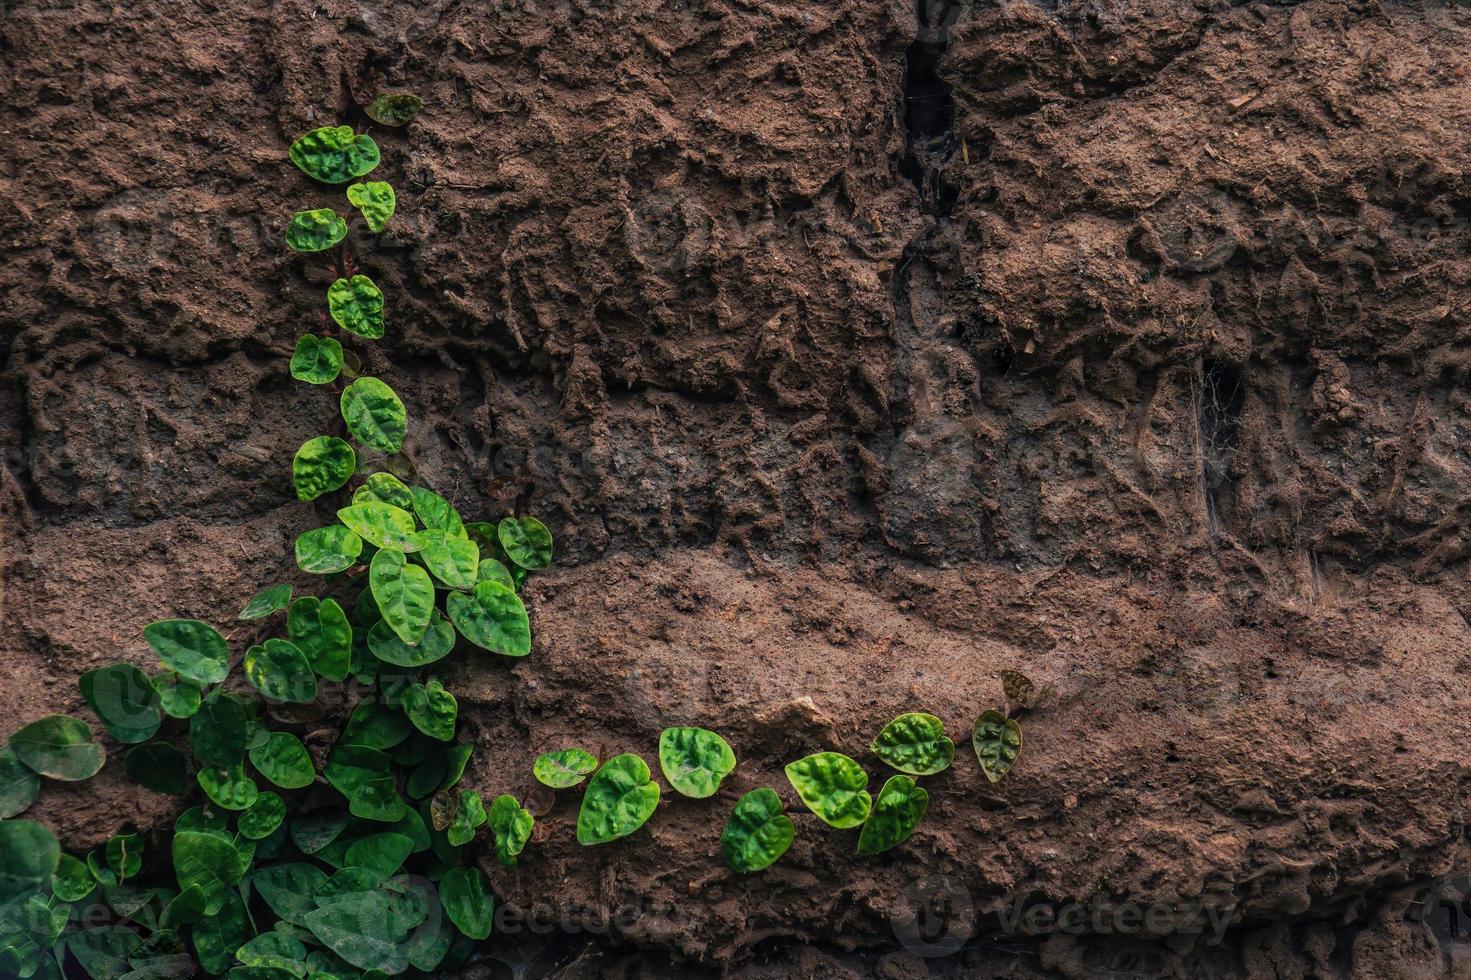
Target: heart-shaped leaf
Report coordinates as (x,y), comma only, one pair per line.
(695,760)
(350,766)
(491,570)
(190,648)
(377,726)
(511,825)
(322,465)
(467,902)
(493,617)
(311,832)
(437,513)
(432,709)
(360,928)
(218,935)
(394,109)
(208,862)
(280,671)
(217,732)
(454,561)
(316,360)
(758,833)
(469,816)
(998,742)
(375,416)
(271,599)
(564,768)
(375,199)
(72,882)
(405,595)
(125,855)
(264,816)
(380,854)
(19,786)
(527,541)
(159,766)
(384,488)
(899,808)
(316,230)
(915,743)
(288,889)
(284,761)
(328,550)
(59,747)
(438,641)
(179,698)
(619,799)
(334,154)
(320,630)
(357,306)
(29,855)
(833,786)
(229,789)
(124,700)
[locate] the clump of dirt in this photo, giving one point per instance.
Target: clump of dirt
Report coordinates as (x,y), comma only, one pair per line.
(854,352)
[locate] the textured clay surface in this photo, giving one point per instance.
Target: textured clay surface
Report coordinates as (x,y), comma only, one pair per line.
(854,353)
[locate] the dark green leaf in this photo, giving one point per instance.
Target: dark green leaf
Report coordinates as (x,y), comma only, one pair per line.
(159,766)
(229,789)
(899,807)
(327,550)
(209,862)
(320,630)
(280,671)
(263,817)
(72,882)
(125,701)
(313,831)
(437,513)
(375,416)
(469,816)
(432,709)
(493,617)
(322,464)
(19,786)
(376,726)
(179,698)
(125,855)
(458,756)
(466,901)
(59,747)
(288,889)
(758,832)
(217,732)
(271,599)
(357,306)
(190,648)
(378,799)
(103,952)
(284,761)
(998,742)
(833,786)
(491,570)
(219,934)
(695,760)
(619,799)
(29,856)
(380,854)
(316,230)
(334,154)
(394,109)
(316,360)
(362,932)
(527,541)
(350,766)
(438,641)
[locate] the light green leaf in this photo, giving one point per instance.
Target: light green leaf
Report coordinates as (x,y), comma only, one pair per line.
(394,109)
(527,541)
(320,629)
(469,816)
(915,743)
(284,761)
(564,768)
(382,525)
(29,856)
(217,732)
(72,882)
(322,465)
(491,570)
(375,416)
(272,598)
(619,799)
(466,901)
(405,595)
(209,862)
(160,767)
(432,709)
(454,561)
(230,788)
(758,833)
(384,488)
(375,199)
(900,806)
(384,644)
(280,671)
(263,817)
(493,617)
(998,742)
(437,513)
(316,360)
(327,550)
(179,698)
(511,824)
(190,648)
(357,306)
(19,786)
(124,700)
(833,786)
(316,230)
(59,747)
(334,154)
(695,760)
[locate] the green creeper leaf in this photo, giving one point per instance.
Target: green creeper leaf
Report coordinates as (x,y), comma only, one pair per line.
(217,732)
(382,525)
(316,230)
(527,541)
(432,709)
(564,768)
(179,698)
(280,671)
(998,742)
(694,760)
(271,599)
(491,570)
(376,726)
(191,649)
(334,154)
(160,767)
(284,761)
(288,888)
(357,306)
(185,909)
(125,855)
(375,199)
(466,901)
(454,770)
(320,630)
(380,854)
(469,816)
(229,788)
(378,799)
(327,550)
(758,833)
(124,700)
(29,856)
(209,862)
(454,561)
(405,595)
(72,882)
(900,806)
(394,109)
(915,743)
(350,766)
(511,824)
(360,931)
(19,786)
(316,360)
(311,832)
(263,817)
(436,644)
(833,786)
(321,465)
(437,513)
(218,935)
(103,952)
(59,747)
(493,617)
(375,417)
(277,953)
(619,799)
(384,488)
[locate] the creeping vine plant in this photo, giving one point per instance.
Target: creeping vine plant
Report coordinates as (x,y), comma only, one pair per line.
(307,859)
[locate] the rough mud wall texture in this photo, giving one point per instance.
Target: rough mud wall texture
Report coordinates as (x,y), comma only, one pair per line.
(854,352)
